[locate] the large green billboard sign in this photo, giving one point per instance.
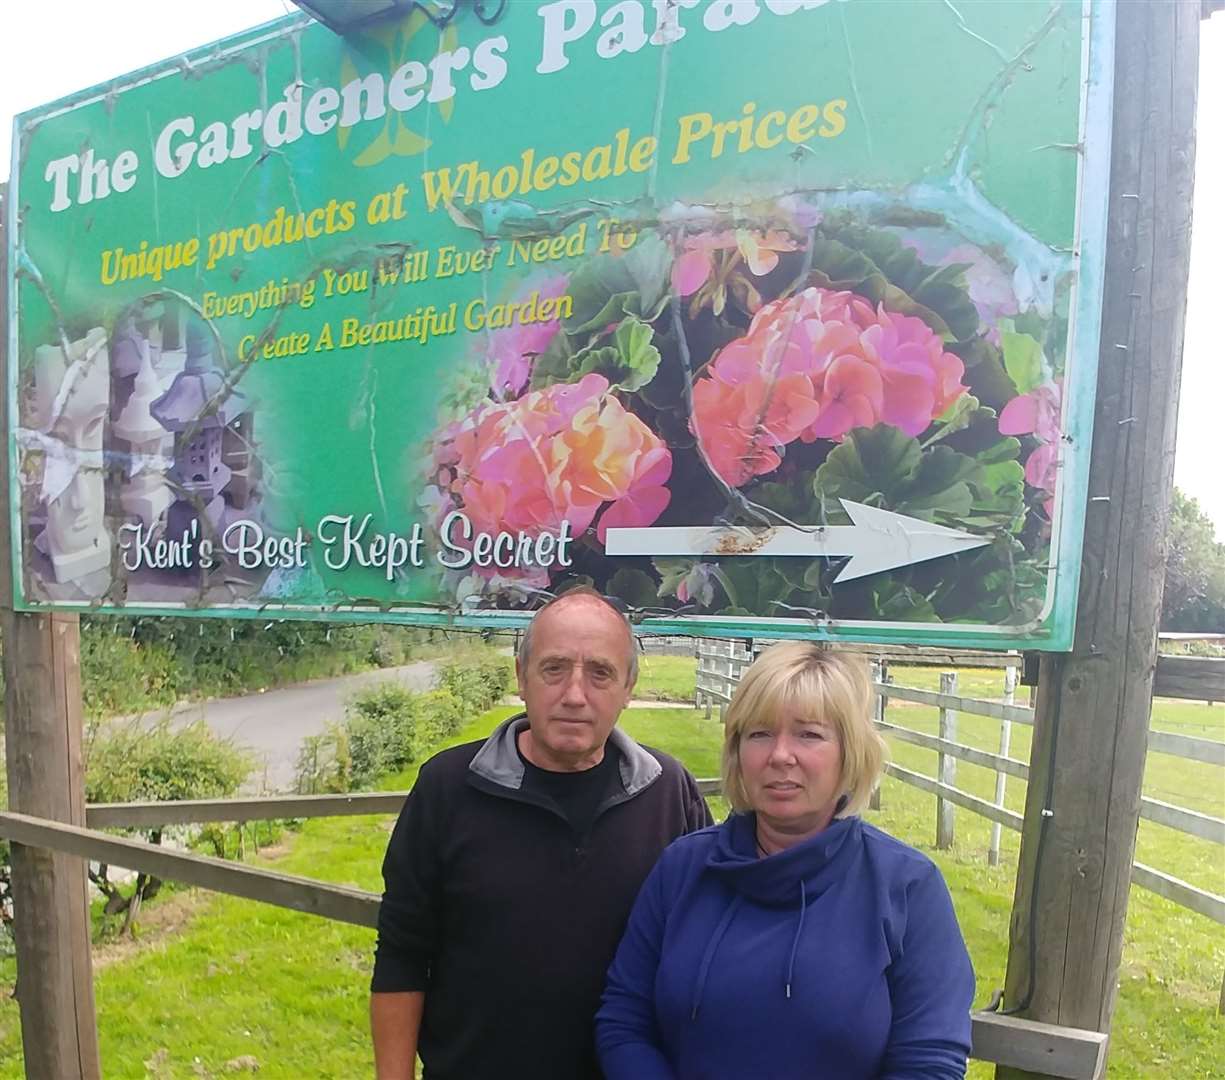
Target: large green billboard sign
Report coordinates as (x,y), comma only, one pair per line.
(767,316)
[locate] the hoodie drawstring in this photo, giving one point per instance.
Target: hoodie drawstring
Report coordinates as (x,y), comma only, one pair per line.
(712,946)
(709,955)
(795,945)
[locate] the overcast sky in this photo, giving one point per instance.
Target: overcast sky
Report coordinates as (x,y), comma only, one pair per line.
(51,48)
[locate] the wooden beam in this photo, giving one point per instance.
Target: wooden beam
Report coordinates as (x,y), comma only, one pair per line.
(1187,746)
(1047,1049)
(1091,722)
(1191,678)
(42,702)
(1205,826)
(1016,713)
(1181,893)
(266,808)
(955,795)
(250,882)
(924,656)
(981,758)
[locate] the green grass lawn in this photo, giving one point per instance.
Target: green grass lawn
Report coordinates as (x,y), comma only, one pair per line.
(666,678)
(241,982)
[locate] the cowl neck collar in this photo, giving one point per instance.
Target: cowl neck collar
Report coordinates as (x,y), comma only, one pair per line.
(775,880)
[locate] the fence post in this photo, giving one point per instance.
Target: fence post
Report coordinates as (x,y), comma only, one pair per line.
(947,771)
(880,673)
(1001,777)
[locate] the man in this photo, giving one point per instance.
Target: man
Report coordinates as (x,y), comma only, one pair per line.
(512,869)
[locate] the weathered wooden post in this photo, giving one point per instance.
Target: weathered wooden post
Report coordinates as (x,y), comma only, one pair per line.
(1083,801)
(880,673)
(946,772)
(42,708)
(1001,777)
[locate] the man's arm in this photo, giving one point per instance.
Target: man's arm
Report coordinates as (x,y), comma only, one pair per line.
(395,1020)
(407,932)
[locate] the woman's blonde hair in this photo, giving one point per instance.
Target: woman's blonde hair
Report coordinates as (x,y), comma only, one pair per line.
(818,683)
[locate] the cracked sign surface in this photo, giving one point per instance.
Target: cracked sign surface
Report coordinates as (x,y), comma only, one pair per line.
(693,301)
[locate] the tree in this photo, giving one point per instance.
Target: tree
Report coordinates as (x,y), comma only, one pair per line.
(1194,571)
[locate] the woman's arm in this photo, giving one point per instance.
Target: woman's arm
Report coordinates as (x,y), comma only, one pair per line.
(627,1036)
(931,986)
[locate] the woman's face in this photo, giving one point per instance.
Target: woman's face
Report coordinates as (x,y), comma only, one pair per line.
(792,771)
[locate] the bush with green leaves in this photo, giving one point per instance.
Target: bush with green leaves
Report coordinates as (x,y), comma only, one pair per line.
(381,725)
(440,715)
(159,761)
(324,766)
(478,678)
(135,664)
(388,727)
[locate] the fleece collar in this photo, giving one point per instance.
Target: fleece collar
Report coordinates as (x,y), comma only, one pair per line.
(776,881)
(499,763)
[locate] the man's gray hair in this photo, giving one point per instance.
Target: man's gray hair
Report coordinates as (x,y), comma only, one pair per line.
(525,642)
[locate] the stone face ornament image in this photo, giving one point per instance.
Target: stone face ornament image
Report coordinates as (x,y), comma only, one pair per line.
(72,396)
(146,494)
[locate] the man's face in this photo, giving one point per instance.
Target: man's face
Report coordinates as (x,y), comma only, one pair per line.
(575,683)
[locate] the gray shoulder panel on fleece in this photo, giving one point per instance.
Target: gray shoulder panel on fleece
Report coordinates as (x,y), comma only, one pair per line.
(498,760)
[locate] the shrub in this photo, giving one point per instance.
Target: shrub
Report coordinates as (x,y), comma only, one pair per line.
(324,765)
(118,675)
(440,715)
(159,761)
(478,679)
(381,725)
(131,664)
(388,727)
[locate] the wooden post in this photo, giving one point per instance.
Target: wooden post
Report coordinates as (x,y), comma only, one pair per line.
(1001,778)
(880,672)
(946,771)
(1083,801)
(42,673)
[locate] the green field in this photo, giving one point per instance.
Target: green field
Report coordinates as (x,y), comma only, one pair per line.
(218,984)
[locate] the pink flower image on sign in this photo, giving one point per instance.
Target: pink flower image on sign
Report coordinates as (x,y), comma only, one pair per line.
(1038,413)
(814,366)
(557,454)
(512,349)
(763,363)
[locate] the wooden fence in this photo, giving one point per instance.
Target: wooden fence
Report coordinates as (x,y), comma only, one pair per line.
(720,665)
(1049,1049)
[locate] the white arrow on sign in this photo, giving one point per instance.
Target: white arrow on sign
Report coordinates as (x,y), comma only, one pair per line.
(878,540)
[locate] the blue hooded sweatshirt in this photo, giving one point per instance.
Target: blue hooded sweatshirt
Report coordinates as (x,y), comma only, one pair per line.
(837,959)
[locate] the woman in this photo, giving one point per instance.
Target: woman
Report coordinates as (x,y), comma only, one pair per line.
(794,941)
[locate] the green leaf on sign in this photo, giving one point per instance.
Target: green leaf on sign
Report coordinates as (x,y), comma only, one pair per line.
(1022,359)
(635,587)
(606,289)
(630,362)
(895,602)
(884,467)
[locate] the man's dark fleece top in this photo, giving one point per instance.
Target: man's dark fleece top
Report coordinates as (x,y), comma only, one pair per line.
(507,919)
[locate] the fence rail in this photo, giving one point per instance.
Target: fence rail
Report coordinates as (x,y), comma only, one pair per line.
(238,879)
(266,808)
